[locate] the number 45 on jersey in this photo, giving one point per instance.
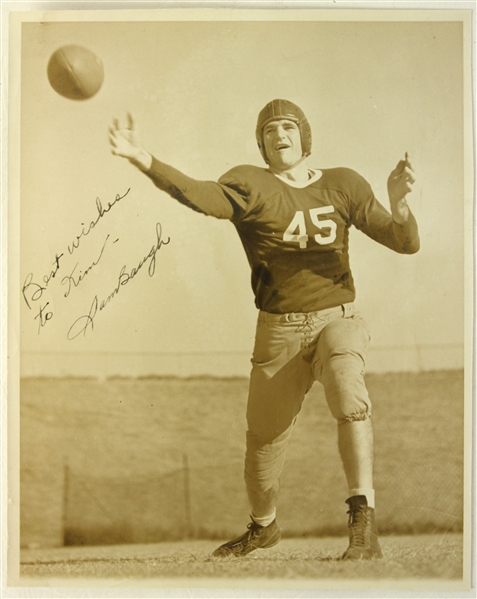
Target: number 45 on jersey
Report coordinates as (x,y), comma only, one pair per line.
(296,230)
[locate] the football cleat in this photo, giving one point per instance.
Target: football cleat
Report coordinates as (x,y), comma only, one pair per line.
(363,531)
(256,537)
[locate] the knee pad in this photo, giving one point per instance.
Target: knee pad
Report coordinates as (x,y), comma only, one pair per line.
(345,389)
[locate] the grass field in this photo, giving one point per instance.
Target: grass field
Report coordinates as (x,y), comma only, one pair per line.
(126,469)
(416,558)
(147,460)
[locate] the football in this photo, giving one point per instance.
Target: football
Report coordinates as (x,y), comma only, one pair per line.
(75,72)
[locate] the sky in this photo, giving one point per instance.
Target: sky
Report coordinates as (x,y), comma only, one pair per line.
(372,90)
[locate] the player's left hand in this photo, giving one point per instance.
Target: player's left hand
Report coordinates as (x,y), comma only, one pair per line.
(400,183)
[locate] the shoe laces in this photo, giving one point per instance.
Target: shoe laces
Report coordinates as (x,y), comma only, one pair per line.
(253,530)
(359,524)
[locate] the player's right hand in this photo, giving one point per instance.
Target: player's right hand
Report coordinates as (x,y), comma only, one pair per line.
(124,141)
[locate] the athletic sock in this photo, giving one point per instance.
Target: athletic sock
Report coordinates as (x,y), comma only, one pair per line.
(267,520)
(368,493)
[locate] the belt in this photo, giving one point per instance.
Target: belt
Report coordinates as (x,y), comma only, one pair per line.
(345,309)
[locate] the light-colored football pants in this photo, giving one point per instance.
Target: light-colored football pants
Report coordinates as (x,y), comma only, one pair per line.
(291,352)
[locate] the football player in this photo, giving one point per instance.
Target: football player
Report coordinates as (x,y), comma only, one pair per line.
(293,221)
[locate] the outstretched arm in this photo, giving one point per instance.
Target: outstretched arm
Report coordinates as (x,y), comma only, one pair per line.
(124,141)
(207,197)
(400,183)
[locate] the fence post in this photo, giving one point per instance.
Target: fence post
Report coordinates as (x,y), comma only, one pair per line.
(66,485)
(188,513)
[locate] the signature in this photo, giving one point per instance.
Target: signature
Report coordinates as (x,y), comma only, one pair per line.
(86,322)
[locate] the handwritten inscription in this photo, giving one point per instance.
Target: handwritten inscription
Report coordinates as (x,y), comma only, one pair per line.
(34,288)
(101,212)
(86,322)
(43,316)
(73,280)
(32,291)
(37,290)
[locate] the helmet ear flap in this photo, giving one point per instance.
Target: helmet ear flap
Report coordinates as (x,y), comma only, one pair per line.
(261,147)
(305,131)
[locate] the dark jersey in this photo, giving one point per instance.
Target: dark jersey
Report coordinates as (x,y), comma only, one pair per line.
(295,235)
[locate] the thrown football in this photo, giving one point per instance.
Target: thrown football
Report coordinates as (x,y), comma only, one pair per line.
(75,72)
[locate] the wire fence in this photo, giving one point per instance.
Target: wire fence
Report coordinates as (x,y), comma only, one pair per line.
(137,461)
(187,503)
(115,510)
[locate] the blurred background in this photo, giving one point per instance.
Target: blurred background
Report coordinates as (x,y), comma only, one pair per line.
(116,415)
(137,460)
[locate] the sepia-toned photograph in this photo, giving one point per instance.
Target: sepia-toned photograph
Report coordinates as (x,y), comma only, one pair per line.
(240,299)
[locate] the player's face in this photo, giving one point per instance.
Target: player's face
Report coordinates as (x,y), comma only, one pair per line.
(282,141)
